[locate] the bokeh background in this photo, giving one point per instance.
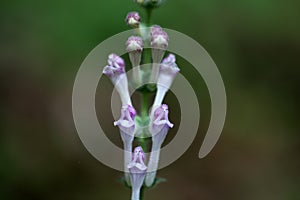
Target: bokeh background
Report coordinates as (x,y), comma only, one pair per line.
(256,45)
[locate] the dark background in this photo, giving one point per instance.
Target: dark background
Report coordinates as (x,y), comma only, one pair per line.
(256,45)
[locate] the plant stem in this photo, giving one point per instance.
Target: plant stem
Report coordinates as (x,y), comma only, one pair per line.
(148,16)
(144,110)
(144,118)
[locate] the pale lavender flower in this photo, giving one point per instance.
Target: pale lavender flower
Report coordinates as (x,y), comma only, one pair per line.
(115,70)
(133,19)
(167,72)
(127,129)
(155,29)
(137,169)
(134,47)
(159,127)
(159,44)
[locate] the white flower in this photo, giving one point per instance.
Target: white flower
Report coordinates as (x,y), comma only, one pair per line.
(134,47)
(127,129)
(137,170)
(167,72)
(159,44)
(115,70)
(159,127)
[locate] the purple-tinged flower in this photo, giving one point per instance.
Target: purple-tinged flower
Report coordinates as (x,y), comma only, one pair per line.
(159,44)
(133,19)
(155,29)
(159,39)
(127,129)
(167,72)
(115,70)
(134,47)
(137,169)
(126,122)
(116,61)
(159,127)
(134,43)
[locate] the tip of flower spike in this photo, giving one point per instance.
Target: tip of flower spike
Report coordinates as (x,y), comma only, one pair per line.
(134,43)
(133,19)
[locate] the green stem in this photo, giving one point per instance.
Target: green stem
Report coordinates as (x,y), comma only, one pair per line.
(148,16)
(144,110)
(144,118)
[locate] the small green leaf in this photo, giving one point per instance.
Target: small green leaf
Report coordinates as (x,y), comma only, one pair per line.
(123,181)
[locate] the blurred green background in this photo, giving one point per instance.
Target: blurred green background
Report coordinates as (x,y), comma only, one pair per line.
(255,44)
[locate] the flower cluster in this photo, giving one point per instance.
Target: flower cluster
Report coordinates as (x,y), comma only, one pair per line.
(164,70)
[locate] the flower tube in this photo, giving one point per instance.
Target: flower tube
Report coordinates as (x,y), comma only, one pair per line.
(127,129)
(115,70)
(159,127)
(137,170)
(159,44)
(134,47)
(167,73)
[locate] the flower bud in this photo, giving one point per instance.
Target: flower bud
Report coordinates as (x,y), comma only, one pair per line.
(159,39)
(126,125)
(134,47)
(155,29)
(159,127)
(133,19)
(137,169)
(159,44)
(167,72)
(115,70)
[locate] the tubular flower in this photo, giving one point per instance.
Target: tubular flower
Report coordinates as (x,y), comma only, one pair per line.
(159,44)
(134,47)
(137,169)
(167,73)
(127,128)
(159,127)
(115,70)
(133,19)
